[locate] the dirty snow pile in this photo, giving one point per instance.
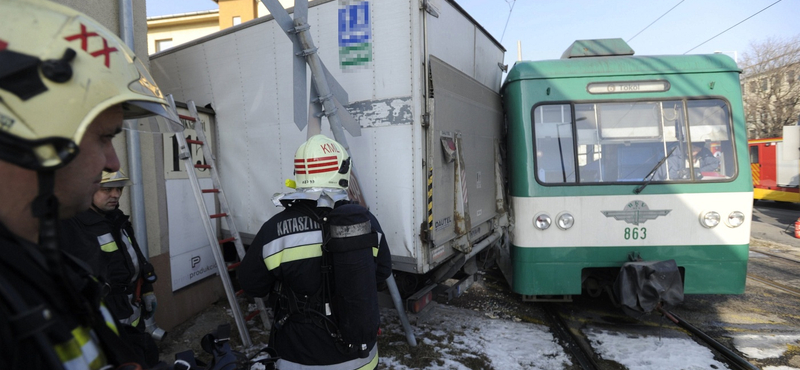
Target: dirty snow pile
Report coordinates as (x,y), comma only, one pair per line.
(641,352)
(458,334)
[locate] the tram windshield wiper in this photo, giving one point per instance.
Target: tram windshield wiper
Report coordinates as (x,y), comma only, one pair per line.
(647,179)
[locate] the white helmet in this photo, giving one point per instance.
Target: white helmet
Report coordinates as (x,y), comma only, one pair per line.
(321,162)
(59,69)
(116,179)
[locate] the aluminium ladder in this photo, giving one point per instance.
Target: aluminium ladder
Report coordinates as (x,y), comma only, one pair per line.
(186,156)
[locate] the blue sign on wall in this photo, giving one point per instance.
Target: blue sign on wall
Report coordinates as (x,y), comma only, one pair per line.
(355,35)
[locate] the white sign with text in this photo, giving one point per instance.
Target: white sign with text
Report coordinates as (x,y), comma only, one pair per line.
(191,257)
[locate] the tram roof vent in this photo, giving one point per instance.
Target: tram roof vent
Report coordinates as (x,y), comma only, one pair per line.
(597,48)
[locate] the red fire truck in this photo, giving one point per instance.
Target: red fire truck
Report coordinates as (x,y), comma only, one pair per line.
(775,163)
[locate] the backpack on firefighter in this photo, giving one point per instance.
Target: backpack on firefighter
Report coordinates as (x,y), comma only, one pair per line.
(346,304)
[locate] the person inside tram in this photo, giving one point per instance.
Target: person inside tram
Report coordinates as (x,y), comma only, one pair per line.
(704,161)
(705,164)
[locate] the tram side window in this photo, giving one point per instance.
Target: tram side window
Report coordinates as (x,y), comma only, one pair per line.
(555,156)
(712,140)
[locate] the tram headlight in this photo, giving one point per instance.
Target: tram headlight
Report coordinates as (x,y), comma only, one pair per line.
(542,221)
(565,220)
(709,219)
(735,219)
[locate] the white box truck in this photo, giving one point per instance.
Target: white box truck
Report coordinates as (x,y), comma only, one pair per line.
(423,85)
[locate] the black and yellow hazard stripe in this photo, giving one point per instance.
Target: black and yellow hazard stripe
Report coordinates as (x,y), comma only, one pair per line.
(430,199)
(756,170)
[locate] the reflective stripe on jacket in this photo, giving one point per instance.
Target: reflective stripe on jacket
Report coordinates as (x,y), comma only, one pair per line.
(291,248)
(81,352)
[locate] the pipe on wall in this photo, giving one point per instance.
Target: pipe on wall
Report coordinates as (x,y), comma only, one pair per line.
(134,148)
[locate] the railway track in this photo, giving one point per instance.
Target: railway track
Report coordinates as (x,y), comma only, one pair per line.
(764,252)
(784,288)
(588,329)
(583,353)
(574,344)
(734,359)
(769,282)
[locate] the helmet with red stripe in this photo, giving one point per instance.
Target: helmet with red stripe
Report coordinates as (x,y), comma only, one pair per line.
(321,162)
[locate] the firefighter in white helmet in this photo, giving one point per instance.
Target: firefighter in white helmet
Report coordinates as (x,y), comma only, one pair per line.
(326,312)
(103,237)
(66,85)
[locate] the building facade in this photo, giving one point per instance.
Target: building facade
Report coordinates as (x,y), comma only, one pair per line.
(167,31)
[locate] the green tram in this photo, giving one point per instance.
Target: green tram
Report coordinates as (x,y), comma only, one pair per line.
(615,158)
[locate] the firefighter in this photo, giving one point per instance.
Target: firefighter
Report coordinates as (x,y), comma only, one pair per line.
(322,306)
(103,237)
(66,85)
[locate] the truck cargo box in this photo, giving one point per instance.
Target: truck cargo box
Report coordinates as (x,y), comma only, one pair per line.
(423,87)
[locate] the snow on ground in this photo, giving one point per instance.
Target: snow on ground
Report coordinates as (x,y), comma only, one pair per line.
(764,346)
(460,335)
(458,339)
(645,352)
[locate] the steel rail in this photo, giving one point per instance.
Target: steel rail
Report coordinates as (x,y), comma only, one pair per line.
(785,288)
(757,250)
(736,360)
(560,329)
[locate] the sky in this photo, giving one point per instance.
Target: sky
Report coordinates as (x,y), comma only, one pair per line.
(546,28)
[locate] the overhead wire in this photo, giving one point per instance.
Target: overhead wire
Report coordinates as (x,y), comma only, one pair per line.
(507,19)
(729,28)
(648,26)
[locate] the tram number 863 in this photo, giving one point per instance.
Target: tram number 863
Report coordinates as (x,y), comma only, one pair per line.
(635,233)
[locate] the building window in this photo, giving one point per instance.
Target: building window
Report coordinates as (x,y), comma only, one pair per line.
(237,20)
(164,44)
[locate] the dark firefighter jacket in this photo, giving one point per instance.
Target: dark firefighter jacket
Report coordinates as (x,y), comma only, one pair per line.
(287,249)
(107,244)
(26,280)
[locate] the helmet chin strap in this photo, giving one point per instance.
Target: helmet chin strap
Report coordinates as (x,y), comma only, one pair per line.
(45,208)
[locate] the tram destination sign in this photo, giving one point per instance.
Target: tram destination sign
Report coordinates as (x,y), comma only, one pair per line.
(618,87)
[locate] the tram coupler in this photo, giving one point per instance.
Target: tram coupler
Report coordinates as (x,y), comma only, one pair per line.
(643,286)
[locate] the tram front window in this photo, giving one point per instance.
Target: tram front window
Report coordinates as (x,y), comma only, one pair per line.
(619,142)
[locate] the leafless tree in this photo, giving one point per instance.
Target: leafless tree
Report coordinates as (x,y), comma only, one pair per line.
(771,86)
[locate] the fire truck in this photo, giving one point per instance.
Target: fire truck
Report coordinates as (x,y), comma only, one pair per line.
(775,165)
